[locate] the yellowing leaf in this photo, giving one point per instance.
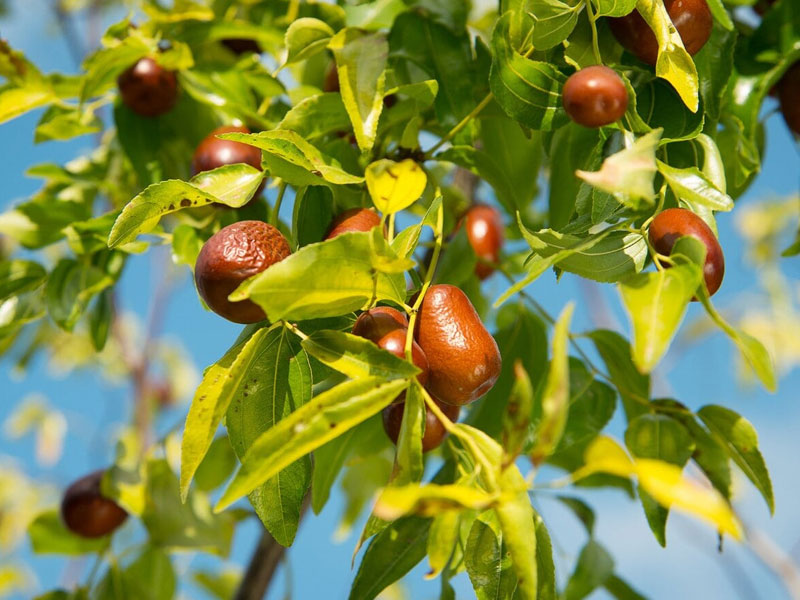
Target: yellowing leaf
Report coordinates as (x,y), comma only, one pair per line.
(429,500)
(395,186)
(441,540)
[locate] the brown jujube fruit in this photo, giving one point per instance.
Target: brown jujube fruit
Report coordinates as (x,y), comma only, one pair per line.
(86,512)
(213,152)
(485,234)
(376,322)
(147,88)
(230,256)
(463,357)
(355,219)
(434,430)
(789,97)
(331,81)
(395,342)
(241,46)
(674,223)
(692,19)
(595,96)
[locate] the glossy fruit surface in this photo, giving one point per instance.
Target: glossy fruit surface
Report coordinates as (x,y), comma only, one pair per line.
(355,219)
(86,512)
(463,357)
(395,342)
(434,430)
(674,223)
(789,97)
(213,152)
(692,19)
(485,233)
(230,256)
(595,96)
(241,46)
(148,89)
(376,322)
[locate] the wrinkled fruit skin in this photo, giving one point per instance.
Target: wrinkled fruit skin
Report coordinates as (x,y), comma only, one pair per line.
(230,256)
(355,219)
(789,97)
(485,234)
(213,152)
(595,96)
(86,512)
(463,357)
(241,46)
(674,223)
(434,430)
(692,19)
(376,322)
(148,89)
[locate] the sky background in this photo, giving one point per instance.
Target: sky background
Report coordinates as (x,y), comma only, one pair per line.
(689,568)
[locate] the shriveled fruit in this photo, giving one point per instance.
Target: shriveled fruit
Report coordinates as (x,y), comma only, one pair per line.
(355,219)
(595,96)
(230,256)
(376,322)
(485,234)
(789,97)
(674,223)
(86,512)
(147,88)
(462,355)
(434,430)
(692,19)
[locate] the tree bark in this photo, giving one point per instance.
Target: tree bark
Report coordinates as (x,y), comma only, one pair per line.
(263,563)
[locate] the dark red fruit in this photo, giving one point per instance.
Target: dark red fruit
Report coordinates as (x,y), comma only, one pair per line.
(377,322)
(355,219)
(486,236)
(434,430)
(789,97)
(692,19)
(230,256)
(241,46)
(595,96)
(213,152)
(148,89)
(762,6)
(395,342)
(331,82)
(86,512)
(675,223)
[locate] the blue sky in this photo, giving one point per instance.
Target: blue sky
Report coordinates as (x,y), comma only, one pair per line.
(689,568)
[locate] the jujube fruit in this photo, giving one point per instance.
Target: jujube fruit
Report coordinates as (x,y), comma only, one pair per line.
(674,223)
(789,97)
(485,234)
(213,152)
(595,96)
(692,19)
(230,256)
(147,88)
(86,512)
(241,46)
(331,81)
(355,219)
(395,342)
(376,322)
(434,430)
(463,357)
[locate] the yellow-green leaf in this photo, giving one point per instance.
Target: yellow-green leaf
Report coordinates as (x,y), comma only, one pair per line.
(441,541)
(395,186)
(429,500)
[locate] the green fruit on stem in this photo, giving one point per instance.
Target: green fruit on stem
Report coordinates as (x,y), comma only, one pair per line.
(233,254)
(674,223)
(463,356)
(86,512)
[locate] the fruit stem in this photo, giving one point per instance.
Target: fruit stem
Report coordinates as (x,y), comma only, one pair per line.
(592,21)
(277,208)
(293,328)
(463,123)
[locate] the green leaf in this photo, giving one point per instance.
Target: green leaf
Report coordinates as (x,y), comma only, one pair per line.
(528,91)
(316,116)
(100,318)
(328,279)
(429,500)
(18,276)
(483,164)
(516,517)
(656,303)
(232,185)
(545,569)
(555,397)
(306,37)
(553,20)
(293,159)
(715,65)
(326,416)
(517,415)
(409,465)
(70,288)
(395,186)
(149,577)
(488,564)
(217,465)
(692,185)
(390,555)
(593,568)
(582,510)
(48,535)
(186,245)
(573,148)
(312,213)
(740,439)
(212,399)
(621,590)
(656,105)
(103,66)
(633,386)
(62,123)
(614,8)
(361,64)
(442,540)
(328,462)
